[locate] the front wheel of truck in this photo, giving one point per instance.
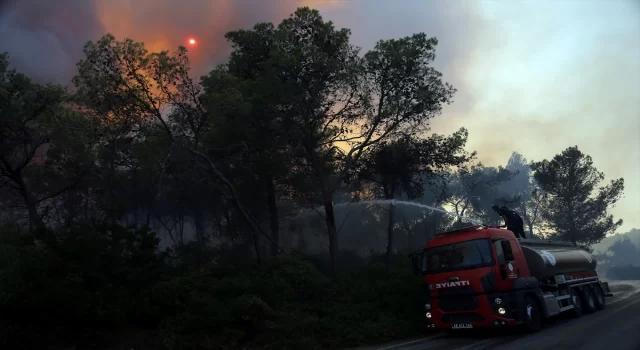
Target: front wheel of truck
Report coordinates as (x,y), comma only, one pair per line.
(532,315)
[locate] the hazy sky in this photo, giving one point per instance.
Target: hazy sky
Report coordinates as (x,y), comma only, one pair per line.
(534,77)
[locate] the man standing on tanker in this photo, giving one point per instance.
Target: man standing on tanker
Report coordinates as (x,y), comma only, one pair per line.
(512,220)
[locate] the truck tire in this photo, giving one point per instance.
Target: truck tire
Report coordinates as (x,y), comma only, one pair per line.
(599,297)
(577,303)
(532,315)
(588,300)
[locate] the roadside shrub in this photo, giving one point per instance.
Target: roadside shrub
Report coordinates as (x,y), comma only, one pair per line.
(94,279)
(106,286)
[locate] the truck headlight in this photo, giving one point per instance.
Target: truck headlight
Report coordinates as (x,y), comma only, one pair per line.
(502,311)
(427,315)
(427,306)
(498,301)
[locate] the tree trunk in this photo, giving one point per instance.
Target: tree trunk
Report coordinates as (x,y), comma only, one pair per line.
(111,184)
(246,215)
(392,212)
(434,227)
(273,214)
(230,227)
(410,236)
(35,220)
(180,221)
(527,218)
(198,222)
(330,220)
(256,246)
(34,217)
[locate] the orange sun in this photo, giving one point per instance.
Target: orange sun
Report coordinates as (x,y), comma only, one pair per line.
(192,41)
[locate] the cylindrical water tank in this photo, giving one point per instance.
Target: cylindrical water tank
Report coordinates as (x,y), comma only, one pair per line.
(547,258)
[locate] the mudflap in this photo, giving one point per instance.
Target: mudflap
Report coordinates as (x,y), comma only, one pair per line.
(605,288)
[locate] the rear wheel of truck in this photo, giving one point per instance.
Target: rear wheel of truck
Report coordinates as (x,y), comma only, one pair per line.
(577,303)
(599,297)
(589,300)
(532,315)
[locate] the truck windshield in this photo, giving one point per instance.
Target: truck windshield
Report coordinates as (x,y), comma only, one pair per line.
(457,256)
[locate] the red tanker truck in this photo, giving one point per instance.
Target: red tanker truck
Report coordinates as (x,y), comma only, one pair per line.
(486,276)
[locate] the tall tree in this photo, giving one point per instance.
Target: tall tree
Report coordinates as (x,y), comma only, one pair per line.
(474,189)
(309,66)
(253,118)
(576,209)
(522,192)
(336,104)
(518,188)
(45,147)
(532,208)
(402,166)
(146,95)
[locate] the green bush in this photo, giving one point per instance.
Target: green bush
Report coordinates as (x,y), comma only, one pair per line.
(106,286)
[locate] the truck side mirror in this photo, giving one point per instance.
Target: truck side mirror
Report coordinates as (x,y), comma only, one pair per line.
(508,252)
(415,263)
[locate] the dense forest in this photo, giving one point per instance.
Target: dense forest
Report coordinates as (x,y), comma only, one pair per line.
(146,209)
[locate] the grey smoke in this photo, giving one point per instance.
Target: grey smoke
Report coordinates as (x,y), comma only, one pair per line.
(45,37)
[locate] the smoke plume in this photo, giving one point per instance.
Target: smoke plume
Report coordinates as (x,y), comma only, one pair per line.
(45,38)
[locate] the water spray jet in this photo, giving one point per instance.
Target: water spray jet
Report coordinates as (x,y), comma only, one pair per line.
(400,202)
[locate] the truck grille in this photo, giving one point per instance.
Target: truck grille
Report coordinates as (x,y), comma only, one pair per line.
(457,299)
(462,317)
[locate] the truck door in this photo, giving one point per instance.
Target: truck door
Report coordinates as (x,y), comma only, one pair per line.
(507,270)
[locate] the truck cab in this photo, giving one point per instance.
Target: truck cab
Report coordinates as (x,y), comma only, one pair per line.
(480,276)
(470,275)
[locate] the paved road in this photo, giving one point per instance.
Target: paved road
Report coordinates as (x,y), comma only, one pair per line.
(616,328)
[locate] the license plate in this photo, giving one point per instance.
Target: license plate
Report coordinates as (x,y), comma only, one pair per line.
(461,325)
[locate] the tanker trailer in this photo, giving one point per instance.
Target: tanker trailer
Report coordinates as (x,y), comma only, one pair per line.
(566,275)
(551,259)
